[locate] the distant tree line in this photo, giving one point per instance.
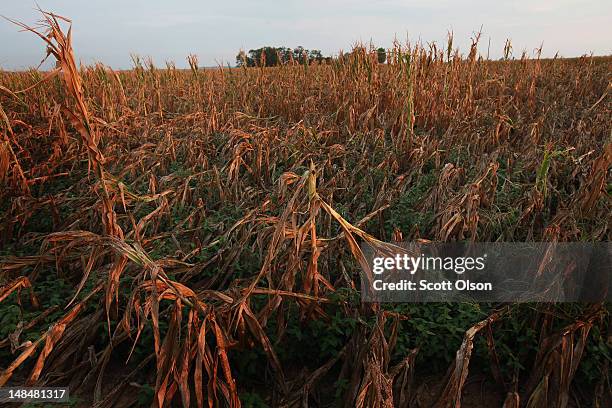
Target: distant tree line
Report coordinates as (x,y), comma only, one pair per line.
(273,56)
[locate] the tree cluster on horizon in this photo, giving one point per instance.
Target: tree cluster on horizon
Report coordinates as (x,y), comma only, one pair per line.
(272,56)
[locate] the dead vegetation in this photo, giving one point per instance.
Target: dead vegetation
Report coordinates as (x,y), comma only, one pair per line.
(212,209)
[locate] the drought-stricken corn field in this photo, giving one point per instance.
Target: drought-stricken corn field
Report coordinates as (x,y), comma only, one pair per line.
(192,237)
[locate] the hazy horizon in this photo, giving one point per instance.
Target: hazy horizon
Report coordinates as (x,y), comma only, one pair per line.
(111,31)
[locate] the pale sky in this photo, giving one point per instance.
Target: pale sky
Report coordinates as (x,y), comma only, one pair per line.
(108,31)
